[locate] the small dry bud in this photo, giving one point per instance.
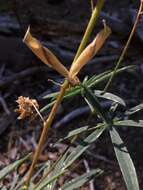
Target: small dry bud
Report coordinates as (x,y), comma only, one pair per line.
(26,107)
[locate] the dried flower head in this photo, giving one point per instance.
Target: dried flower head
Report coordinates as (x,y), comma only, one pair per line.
(26,107)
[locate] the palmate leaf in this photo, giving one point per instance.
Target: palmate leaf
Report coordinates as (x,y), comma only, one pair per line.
(81,180)
(4,172)
(125,161)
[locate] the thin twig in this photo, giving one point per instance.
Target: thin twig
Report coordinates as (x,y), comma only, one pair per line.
(92,5)
(91,182)
(125,47)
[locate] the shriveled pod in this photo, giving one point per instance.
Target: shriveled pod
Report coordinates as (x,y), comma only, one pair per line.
(44,54)
(89,52)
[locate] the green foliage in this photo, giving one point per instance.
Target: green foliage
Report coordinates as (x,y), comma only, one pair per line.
(4,172)
(124,160)
(109,121)
(79,181)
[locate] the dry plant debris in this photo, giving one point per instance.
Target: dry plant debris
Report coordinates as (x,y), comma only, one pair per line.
(46,56)
(26,107)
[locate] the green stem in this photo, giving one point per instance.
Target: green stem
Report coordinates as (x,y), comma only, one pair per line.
(90,27)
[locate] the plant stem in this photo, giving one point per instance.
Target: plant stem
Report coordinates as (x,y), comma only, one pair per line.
(125,47)
(46,126)
(90,27)
(65,85)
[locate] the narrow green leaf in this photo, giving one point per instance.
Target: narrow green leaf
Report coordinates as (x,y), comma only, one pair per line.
(107,75)
(74,133)
(125,161)
(129,123)
(51,95)
(50,180)
(48,106)
(66,161)
(95,104)
(93,81)
(80,130)
(81,180)
(14,182)
(83,146)
(96,77)
(90,83)
(134,109)
(109,96)
(12,167)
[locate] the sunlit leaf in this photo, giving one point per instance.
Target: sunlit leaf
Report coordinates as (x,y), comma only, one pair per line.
(109,96)
(129,123)
(134,109)
(125,161)
(81,180)
(83,146)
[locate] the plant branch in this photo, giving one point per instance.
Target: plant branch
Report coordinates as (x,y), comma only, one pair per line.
(65,85)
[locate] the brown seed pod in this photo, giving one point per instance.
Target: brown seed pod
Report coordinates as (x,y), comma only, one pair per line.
(90,51)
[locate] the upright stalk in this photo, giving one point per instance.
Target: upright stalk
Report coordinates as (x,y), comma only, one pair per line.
(126,46)
(65,85)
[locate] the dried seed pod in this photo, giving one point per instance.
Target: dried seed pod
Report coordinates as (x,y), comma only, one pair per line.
(90,51)
(44,54)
